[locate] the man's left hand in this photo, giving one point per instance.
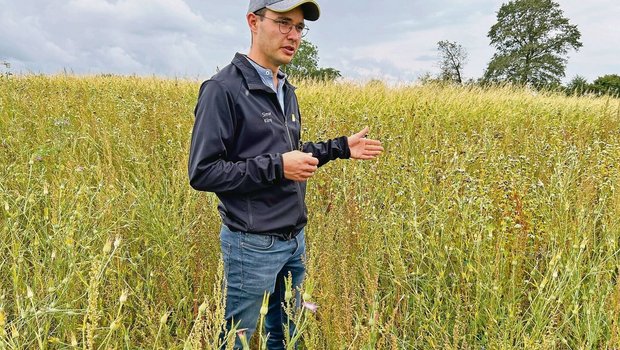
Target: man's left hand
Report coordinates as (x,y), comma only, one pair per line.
(363,148)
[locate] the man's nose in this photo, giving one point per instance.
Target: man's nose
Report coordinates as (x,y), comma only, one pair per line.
(294,34)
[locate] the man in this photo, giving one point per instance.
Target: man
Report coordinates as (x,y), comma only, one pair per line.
(246,148)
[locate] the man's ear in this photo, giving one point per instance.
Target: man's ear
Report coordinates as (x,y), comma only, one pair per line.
(252,22)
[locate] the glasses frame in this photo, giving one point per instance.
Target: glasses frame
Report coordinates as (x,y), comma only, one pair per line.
(286,27)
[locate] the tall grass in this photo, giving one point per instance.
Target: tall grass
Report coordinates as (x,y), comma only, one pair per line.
(491,221)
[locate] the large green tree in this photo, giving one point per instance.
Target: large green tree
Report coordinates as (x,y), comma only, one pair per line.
(305,64)
(532,39)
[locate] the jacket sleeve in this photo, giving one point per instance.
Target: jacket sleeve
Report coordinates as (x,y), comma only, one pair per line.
(212,137)
(328,150)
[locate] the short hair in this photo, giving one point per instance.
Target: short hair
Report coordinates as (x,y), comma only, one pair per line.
(260,13)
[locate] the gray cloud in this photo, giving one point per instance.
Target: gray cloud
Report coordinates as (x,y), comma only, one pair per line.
(164,37)
(395,40)
(369,68)
(406,36)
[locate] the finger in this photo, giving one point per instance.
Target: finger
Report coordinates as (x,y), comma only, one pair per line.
(372,142)
(367,157)
(373,148)
(309,169)
(312,161)
(363,132)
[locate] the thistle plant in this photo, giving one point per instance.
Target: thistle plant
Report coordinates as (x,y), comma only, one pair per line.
(262,339)
(297,312)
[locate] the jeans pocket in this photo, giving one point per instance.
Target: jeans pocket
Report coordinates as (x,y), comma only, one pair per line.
(257,242)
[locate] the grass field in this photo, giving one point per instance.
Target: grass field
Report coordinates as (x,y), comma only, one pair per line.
(492,221)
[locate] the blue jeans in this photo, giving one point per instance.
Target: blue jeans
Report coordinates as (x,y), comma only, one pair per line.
(253,264)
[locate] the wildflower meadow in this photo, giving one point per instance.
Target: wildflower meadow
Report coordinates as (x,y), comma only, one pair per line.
(491,221)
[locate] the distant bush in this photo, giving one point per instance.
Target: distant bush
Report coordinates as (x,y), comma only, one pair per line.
(607,84)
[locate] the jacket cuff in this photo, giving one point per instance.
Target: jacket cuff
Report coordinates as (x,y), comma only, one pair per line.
(279,167)
(343,142)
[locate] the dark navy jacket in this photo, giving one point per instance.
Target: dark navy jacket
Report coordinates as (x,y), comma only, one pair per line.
(239,136)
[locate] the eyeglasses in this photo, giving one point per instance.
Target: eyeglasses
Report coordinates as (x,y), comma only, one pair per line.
(286,26)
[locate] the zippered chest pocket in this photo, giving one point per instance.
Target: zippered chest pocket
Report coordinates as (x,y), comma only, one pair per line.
(293,127)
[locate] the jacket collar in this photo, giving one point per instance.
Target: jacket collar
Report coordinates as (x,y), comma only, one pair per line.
(251,75)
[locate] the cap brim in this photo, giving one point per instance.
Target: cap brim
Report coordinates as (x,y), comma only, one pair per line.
(311,9)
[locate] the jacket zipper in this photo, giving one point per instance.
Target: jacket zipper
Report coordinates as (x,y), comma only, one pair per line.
(299,196)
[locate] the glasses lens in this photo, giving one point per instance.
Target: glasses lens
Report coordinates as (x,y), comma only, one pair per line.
(285,28)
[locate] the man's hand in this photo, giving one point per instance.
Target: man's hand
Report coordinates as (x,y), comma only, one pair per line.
(363,148)
(299,166)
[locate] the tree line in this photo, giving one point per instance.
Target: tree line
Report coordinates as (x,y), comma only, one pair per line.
(531,38)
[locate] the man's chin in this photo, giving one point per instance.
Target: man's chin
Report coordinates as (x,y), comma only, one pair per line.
(286,60)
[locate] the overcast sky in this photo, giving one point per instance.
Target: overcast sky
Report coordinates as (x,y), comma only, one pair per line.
(391,40)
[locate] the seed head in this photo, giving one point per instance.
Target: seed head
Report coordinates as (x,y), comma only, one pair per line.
(123,298)
(2,319)
(265,305)
(114,325)
(202,308)
(107,248)
(117,241)
(14,332)
(164,318)
(288,295)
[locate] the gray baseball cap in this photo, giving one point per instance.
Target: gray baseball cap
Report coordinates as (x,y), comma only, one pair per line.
(309,7)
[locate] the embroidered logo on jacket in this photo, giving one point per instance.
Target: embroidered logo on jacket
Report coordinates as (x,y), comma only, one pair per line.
(266,117)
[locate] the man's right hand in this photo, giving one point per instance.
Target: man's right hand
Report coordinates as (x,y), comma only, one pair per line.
(299,166)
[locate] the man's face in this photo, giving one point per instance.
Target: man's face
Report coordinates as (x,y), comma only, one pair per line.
(278,48)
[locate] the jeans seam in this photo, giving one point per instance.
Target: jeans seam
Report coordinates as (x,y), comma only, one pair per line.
(297,242)
(235,300)
(242,254)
